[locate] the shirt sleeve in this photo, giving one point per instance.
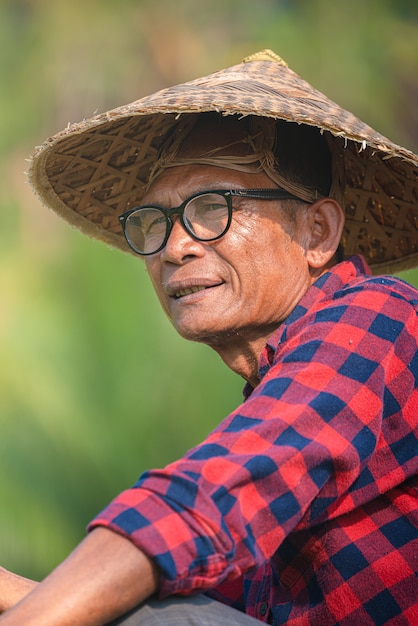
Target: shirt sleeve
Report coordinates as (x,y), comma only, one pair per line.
(294,453)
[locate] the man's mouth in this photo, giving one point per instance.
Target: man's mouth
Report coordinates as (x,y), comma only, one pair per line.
(187,291)
(179,289)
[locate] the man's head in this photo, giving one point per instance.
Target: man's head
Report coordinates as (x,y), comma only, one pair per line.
(234,291)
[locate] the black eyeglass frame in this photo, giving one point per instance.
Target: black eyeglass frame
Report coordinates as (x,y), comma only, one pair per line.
(257,194)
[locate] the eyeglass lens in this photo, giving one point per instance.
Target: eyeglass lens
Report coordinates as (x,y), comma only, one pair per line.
(205,217)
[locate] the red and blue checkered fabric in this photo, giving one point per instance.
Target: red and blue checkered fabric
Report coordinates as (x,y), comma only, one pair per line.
(301,506)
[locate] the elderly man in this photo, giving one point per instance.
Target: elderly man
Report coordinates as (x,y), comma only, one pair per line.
(300,507)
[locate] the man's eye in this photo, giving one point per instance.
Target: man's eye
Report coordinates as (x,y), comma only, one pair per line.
(213,208)
(155,226)
(149,223)
(210,209)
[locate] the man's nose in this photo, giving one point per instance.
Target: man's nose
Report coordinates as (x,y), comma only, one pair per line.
(180,245)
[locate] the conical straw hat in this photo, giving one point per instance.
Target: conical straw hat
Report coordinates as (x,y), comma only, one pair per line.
(94,170)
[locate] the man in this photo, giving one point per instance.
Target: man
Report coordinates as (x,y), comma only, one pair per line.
(301,506)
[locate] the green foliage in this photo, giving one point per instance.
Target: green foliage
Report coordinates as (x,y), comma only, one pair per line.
(95,386)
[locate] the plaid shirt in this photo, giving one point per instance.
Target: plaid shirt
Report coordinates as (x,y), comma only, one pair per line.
(301,506)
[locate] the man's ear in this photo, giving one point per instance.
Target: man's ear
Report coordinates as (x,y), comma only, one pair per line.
(326,221)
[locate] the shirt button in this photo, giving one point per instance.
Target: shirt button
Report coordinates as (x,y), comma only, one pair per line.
(263,608)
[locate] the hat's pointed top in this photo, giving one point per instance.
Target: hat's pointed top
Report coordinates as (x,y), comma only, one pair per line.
(265,55)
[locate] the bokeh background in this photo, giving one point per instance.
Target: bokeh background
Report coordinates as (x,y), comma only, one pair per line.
(95,386)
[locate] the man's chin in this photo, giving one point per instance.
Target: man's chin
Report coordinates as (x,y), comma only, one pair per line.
(206,335)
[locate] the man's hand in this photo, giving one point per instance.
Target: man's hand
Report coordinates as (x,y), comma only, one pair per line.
(103,578)
(13,588)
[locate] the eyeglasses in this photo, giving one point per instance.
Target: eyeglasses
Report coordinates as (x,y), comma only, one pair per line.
(206,216)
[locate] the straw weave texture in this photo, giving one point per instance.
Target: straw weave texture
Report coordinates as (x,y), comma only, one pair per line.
(93,171)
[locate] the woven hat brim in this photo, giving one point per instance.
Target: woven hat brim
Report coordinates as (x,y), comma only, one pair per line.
(94,170)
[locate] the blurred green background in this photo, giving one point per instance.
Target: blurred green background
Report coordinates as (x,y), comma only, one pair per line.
(95,386)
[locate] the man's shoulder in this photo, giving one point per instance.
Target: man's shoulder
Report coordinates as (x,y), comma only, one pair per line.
(346,298)
(357,299)
(353,283)
(370,286)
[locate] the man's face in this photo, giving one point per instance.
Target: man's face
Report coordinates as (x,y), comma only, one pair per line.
(234,291)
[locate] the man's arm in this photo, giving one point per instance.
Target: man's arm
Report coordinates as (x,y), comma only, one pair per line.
(13,588)
(103,578)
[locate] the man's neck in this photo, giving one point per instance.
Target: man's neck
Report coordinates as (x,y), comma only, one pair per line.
(243,357)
